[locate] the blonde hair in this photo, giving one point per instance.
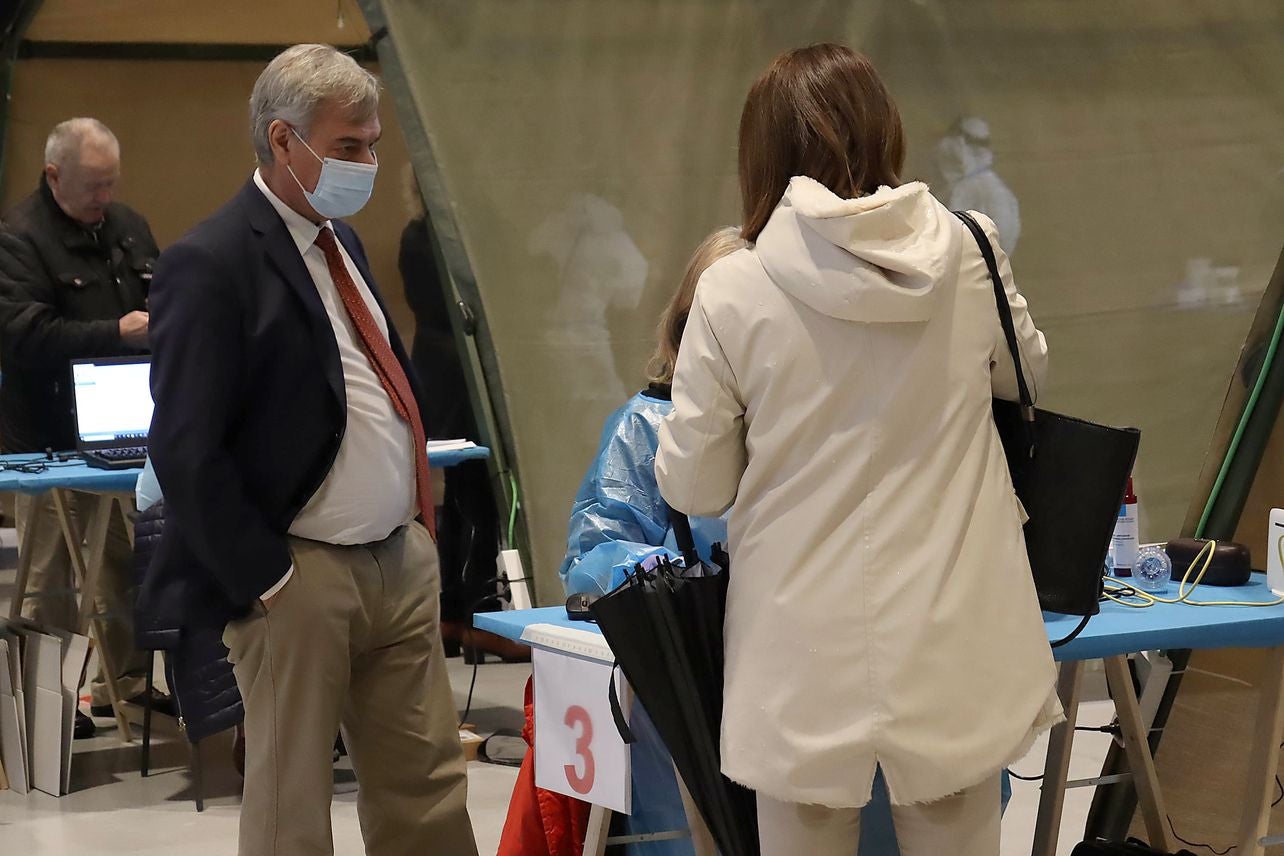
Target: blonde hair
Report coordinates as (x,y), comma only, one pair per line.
(673,320)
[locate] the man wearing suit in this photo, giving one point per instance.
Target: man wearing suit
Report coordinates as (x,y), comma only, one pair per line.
(288,442)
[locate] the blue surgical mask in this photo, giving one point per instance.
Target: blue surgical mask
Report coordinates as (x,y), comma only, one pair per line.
(343,188)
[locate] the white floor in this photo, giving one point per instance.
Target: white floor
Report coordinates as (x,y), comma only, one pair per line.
(113,810)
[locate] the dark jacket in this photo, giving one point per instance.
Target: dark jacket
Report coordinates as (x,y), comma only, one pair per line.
(250,405)
(63,290)
(433,352)
(196,667)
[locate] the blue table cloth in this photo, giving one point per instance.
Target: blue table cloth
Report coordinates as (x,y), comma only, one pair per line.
(1117,630)
(1122,630)
(77,475)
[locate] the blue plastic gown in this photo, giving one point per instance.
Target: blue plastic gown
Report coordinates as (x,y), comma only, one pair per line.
(619,519)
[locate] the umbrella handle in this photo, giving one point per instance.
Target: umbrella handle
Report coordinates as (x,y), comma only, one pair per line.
(682,535)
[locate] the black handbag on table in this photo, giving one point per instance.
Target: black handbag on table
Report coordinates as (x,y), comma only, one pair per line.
(1070,474)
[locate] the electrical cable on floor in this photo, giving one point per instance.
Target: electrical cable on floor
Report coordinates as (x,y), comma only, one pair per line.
(1279,799)
(468,616)
(505,592)
(472,685)
(1210,848)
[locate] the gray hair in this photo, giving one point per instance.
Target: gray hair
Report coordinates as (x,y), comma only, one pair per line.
(298,81)
(68,139)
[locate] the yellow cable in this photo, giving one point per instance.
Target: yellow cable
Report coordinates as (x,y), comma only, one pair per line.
(1122,602)
(1183,595)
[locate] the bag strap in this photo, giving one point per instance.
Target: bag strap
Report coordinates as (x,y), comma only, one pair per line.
(1005,318)
(1001,302)
(617,712)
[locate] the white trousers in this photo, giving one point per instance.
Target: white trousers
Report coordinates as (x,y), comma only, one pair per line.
(963,824)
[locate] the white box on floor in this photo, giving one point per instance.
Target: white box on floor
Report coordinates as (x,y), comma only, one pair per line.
(13,727)
(42,674)
(53,664)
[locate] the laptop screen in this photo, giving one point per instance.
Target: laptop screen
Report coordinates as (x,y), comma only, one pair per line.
(113,400)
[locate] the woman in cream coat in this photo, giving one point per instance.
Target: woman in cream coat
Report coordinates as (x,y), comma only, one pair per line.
(834,382)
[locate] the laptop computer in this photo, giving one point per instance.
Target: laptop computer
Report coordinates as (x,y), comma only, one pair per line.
(112,400)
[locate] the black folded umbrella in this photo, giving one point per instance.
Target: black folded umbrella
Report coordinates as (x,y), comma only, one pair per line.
(664,626)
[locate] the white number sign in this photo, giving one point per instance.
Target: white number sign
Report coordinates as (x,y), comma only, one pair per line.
(578,751)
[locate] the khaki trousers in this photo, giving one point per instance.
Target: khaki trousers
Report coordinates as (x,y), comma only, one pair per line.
(352,639)
(51,573)
(964,824)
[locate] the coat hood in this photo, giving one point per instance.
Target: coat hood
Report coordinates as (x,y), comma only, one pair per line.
(877,258)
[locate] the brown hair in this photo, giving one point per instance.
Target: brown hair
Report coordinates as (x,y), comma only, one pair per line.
(673,320)
(823,112)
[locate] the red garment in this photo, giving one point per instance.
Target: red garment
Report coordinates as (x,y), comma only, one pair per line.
(540,822)
(386,366)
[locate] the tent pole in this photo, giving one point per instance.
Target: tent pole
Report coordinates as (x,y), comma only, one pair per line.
(473,339)
(16,28)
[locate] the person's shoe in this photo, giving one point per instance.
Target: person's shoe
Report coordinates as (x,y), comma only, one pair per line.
(452,632)
(478,642)
(84,727)
(161,703)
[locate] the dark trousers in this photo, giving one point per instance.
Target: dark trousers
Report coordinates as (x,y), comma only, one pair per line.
(468,542)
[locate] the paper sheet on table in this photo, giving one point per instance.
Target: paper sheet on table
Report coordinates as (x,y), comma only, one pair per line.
(450,445)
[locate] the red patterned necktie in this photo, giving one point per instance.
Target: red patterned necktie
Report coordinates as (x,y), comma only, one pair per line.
(386,366)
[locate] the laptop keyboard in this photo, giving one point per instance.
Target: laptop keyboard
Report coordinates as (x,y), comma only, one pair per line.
(121,458)
(122,453)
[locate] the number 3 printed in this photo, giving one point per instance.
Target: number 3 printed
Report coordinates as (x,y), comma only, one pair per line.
(581,784)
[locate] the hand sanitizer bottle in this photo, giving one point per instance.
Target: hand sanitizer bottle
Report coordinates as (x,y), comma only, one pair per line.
(1123,546)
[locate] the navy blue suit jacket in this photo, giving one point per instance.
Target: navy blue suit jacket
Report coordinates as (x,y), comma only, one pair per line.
(250,408)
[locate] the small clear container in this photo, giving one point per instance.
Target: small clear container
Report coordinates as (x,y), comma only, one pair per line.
(1153,571)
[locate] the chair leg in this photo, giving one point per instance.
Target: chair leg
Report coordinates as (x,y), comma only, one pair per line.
(147,712)
(198,780)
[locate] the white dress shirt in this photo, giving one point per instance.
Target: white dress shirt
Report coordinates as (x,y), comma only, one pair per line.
(370,490)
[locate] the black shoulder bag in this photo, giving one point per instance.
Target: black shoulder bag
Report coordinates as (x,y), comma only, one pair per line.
(1069,474)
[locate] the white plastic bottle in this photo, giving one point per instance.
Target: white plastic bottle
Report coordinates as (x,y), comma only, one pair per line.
(1123,546)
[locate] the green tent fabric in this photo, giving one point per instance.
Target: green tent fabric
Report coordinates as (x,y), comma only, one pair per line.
(575,153)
